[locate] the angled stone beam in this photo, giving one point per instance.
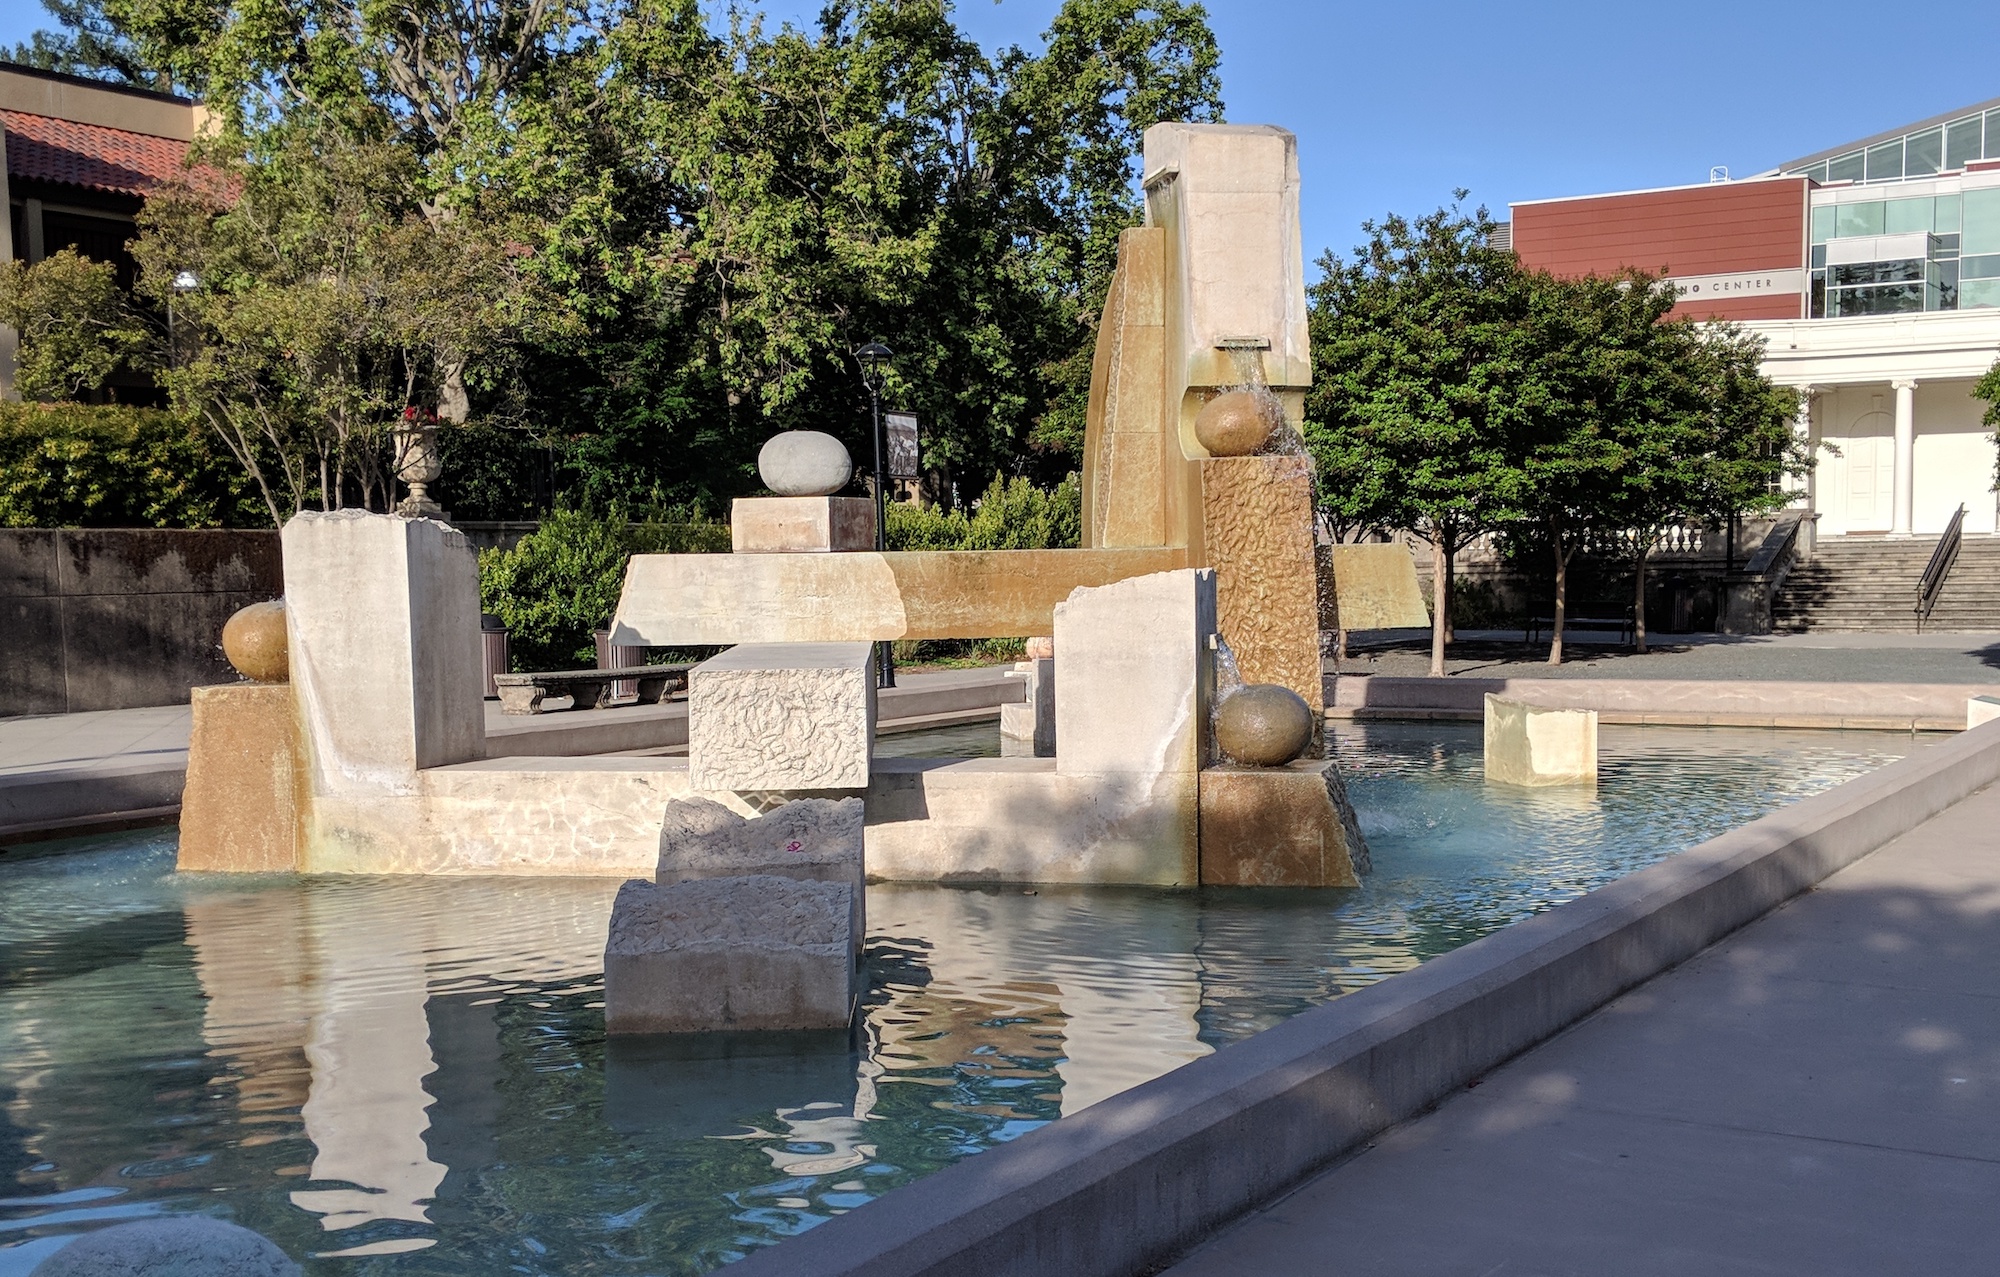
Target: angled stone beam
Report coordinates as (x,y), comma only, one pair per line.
(684,600)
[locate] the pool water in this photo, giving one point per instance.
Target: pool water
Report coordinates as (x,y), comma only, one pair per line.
(410,1076)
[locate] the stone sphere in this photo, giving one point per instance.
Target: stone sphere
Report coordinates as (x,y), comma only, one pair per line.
(804,463)
(1263,725)
(1238,423)
(1040,648)
(176,1246)
(254,642)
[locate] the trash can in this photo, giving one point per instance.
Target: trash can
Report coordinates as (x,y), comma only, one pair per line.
(612,656)
(492,652)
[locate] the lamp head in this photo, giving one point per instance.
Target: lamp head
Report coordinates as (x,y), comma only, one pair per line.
(872,358)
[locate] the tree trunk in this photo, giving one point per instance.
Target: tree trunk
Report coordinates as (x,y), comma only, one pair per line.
(1450,589)
(1562,598)
(1639,597)
(1440,603)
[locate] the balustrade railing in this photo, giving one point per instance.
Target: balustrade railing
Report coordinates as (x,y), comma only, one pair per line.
(1931,584)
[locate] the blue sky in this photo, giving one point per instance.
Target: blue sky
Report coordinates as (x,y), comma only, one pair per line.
(1395,104)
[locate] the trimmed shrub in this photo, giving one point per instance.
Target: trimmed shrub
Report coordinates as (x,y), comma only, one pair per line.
(1012,515)
(72,465)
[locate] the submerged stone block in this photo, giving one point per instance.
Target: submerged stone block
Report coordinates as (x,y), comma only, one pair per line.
(1531,745)
(1030,724)
(782,716)
(801,525)
(756,952)
(810,839)
(1289,826)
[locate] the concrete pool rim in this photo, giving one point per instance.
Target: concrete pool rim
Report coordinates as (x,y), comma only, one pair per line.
(1140,1177)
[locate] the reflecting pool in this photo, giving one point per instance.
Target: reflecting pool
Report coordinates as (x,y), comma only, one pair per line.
(410,1076)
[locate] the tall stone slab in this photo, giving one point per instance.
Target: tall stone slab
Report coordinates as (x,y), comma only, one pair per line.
(768,716)
(1135,480)
(241,809)
(1257,522)
(382,617)
(1137,674)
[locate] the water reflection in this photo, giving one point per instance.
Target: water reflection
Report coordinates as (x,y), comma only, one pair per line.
(410,1076)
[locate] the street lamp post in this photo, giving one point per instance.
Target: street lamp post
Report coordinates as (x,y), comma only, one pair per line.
(872,359)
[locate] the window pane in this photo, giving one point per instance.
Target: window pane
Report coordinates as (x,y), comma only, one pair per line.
(1925,154)
(1947,286)
(1978,292)
(1883,299)
(1817,173)
(1993,134)
(1907,215)
(1845,169)
(1885,161)
(1858,219)
(1822,224)
(1947,214)
(1961,142)
(1982,223)
(1901,271)
(1979,267)
(1818,256)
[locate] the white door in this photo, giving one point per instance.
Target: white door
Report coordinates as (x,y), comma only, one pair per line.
(1870,453)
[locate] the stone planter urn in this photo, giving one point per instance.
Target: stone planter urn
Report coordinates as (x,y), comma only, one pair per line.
(418,463)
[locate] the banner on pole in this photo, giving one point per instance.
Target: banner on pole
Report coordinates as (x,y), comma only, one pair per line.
(902,430)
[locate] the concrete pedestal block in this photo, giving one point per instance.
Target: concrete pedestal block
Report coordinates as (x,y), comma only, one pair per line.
(241,810)
(1032,722)
(801,525)
(1136,675)
(756,952)
(1289,826)
(782,716)
(1529,745)
(809,839)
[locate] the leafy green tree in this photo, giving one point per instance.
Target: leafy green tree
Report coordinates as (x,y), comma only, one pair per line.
(69,465)
(90,39)
(77,328)
(1419,380)
(1988,388)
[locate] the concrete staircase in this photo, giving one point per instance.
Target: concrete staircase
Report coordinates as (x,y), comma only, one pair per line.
(1870,583)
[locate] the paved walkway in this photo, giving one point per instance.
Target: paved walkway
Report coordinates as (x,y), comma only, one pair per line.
(1816,658)
(1818,1094)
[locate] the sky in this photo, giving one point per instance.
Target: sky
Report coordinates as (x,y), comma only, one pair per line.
(1396,104)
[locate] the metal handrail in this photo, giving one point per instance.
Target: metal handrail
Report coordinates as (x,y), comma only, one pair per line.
(1932,583)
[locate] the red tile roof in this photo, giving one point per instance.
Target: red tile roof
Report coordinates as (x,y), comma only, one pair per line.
(89,155)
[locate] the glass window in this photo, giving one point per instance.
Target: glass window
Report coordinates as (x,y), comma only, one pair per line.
(1925,153)
(1982,223)
(1947,214)
(1993,134)
(1817,173)
(1902,271)
(1944,247)
(1978,292)
(1885,161)
(1858,219)
(1819,294)
(1822,224)
(1880,299)
(1847,168)
(1961,142)
(1818,256)
(1900,216)
(1979,267)
(1944,278)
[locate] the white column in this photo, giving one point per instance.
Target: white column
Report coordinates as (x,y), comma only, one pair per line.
(1906,454)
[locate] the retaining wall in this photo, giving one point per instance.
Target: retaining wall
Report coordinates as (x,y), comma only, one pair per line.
(114,618)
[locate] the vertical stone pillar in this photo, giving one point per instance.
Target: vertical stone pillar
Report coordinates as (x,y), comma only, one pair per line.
(1258,529)
(383,621)
(1136,676)
(1906,457)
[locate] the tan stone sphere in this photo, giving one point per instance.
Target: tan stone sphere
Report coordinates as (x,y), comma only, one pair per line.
(1263,725)
(1040,648)
(254,642)
(1238,423)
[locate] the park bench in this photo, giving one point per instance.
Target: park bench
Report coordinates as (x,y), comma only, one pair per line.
(1538,625)
(587,689)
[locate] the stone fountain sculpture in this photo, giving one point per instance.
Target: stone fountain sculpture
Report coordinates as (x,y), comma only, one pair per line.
(1197,524)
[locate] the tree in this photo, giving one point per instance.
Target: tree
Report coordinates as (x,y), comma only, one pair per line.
(1988,388)
(77,327)
(91,40)
(1417,381)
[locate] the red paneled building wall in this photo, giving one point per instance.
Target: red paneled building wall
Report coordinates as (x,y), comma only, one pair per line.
(1739,249)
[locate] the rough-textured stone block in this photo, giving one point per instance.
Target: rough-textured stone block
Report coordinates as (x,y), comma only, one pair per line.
(1258,524)
(1136,675)
(1032,722)
(757,952)
(241,809)
(1289,826)
(1529,745)
(782,716)
(1375,587)
(811,839)
(801,525)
